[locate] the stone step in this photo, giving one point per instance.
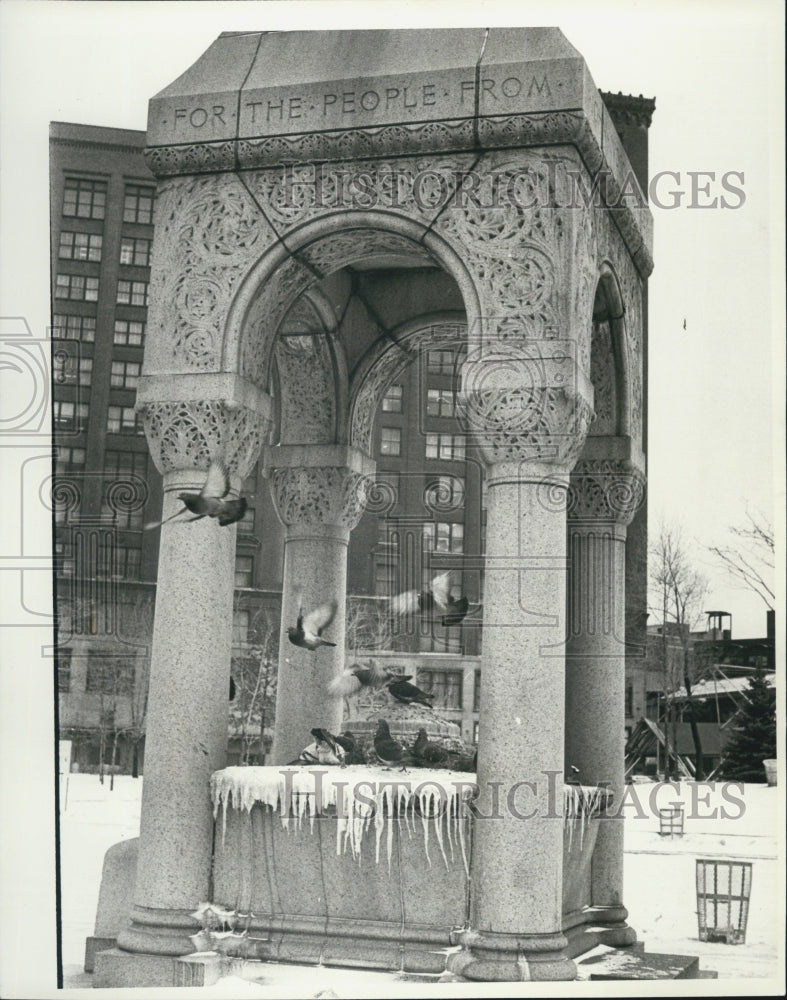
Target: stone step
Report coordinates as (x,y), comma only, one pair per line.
(625,963)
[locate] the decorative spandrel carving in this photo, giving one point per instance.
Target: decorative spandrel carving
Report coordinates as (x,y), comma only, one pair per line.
(208,231)
(602,374)
(605,490)
(334,252)
(190,434)
(320,495)
(307,389)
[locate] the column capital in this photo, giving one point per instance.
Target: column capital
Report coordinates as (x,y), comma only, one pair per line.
(319,484)
(608,491)
(190,420)
(527,402)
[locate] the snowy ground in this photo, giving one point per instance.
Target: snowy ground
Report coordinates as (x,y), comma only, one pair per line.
(659,891)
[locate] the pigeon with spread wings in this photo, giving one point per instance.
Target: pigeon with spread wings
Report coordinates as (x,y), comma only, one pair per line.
(210,501)
(307,631)
(436,597)
(359,677)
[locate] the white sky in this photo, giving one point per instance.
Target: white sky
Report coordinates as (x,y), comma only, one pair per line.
(716,70)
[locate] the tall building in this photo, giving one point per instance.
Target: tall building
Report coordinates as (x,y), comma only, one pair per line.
(426,514)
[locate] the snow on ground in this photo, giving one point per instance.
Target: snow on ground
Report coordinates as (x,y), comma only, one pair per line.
(720,822)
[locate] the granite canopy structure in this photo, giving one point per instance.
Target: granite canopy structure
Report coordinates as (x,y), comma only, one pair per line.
(489,157)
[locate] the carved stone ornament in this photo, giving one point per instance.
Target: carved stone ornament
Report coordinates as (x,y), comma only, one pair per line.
(605,490)
(320,495)
(189,435)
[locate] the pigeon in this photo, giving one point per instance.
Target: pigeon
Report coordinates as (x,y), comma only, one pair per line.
(352,752)
(426,752)
(209,502)
(463,762)
(409,694)
(357,677)
(329,750)
(436,596)
(307,632)
(389,751)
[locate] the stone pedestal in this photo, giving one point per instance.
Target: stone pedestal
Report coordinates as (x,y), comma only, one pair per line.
(319,492)
(604,497)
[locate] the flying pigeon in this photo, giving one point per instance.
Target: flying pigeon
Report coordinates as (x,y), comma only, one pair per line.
(409,694)
(426,752)
(389,750)
(307,632)
(436,596)
(358,677)
(209,502)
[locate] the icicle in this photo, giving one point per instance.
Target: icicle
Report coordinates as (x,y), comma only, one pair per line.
(438,826)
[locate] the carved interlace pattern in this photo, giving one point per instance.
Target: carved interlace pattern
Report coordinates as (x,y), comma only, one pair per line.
(320,495)
(189,435)
(605,490)
(306,389)
(210,229)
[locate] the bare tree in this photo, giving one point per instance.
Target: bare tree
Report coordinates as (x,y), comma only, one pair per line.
(367,625)
(678,592)
(254,675)
(750,558)
(137,626)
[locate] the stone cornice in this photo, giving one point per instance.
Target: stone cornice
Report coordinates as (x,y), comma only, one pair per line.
(565,127)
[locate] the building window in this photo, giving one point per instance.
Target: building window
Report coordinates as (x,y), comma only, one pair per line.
(124,463)
(439,402)
(64,670)
(69,415)
(84,199)
(76,286)
(629,710)
(107,674)
(132,293)
(129,333)
(445,492)
(244,571)
(122,516)
(390,441)
(392,400)
(74,328)
(80,246)
(124,374)
(66,505)
(477,691)
(122,420)
(383,579)
(448,447)
(240,627)
(441,362)
(135,251)
(67,458)
(475,732)
(138,203)
(63,560)
(246,523)
(444,685)
(127,562)
(444,536)
(67,371)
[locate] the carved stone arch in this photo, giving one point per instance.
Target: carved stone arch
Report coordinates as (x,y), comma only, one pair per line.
(609,361)
(387,357)
(309,374)
(312,252)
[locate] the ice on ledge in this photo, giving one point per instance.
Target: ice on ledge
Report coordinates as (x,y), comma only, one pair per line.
(364,796)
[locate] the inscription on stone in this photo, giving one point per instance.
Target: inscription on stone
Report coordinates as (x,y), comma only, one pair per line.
(380,103)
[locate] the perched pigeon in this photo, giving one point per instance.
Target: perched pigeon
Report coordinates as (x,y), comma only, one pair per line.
(353,753)
(210,502)
(428,753)
(463,762)
(409,694)
(358,677)
(329,750)
(307,632)
(389,751)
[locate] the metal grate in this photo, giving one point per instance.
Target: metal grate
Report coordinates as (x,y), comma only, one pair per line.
(723,892)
